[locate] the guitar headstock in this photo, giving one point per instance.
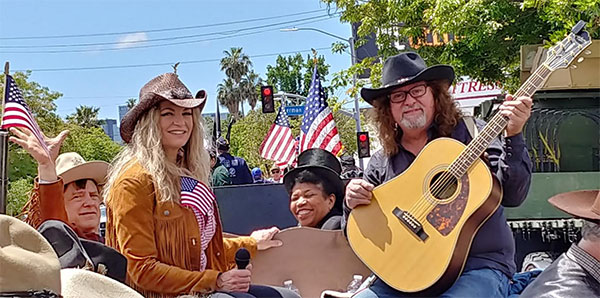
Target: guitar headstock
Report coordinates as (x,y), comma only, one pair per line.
(563,53)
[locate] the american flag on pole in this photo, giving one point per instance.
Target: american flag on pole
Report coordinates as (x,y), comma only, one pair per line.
(16,112)
(279,144)
(318,128)
(200,198)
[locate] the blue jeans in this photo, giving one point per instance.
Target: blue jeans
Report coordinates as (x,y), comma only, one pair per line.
(474,283)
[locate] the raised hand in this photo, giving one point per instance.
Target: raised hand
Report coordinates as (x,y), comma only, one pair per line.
(27,140)
(264,238)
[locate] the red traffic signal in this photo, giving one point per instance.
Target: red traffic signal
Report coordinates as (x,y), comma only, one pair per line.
(364,149)
(266,97)
(267,91)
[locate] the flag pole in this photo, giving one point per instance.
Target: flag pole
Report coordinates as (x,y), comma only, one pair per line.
(4,149)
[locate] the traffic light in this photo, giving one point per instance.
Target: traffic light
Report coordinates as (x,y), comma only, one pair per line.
(266,97)
(363,144)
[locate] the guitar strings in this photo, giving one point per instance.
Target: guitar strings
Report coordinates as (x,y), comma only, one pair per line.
(424,205)
(447,177)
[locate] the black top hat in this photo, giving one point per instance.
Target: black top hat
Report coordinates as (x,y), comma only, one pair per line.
(325,165)
(222,144)
(404,69)
(74,252)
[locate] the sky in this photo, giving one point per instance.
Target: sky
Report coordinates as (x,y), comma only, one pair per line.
(110,49)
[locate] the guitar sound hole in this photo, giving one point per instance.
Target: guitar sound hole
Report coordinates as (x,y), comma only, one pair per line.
(443,185)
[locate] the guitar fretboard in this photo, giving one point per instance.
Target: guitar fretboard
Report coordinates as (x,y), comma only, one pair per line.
(496,125)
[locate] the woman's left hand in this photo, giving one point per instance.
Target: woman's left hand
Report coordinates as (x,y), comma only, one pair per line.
(264,238)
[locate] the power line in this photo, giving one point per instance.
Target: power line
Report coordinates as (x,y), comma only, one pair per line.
(158,45)
(225,32)
(162,64)
(160,30)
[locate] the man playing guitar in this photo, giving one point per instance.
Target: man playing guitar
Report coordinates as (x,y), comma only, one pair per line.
(413,108)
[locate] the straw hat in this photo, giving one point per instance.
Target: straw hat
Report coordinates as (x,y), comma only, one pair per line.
(71,167)
(27,261)
(164,87)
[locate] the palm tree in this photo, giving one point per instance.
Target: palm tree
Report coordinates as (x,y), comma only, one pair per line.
(85,116)
(227,95)
(250,88)
(131,103)
(236,65)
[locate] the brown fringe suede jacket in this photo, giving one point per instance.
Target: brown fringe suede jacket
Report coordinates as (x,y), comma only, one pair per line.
(47,202)
(161,240)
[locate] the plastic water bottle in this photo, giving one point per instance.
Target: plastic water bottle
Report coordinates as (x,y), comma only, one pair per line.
(355,283)
(288,284)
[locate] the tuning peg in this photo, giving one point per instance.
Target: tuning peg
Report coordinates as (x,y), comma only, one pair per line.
(580,59)
(587,52)
(573,66)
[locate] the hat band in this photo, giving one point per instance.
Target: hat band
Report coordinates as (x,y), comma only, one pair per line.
(400,81)
(30,293)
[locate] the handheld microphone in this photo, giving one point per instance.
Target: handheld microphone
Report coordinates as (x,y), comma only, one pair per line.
(242,258)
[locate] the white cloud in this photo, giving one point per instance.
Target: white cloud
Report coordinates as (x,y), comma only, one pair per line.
(131,40)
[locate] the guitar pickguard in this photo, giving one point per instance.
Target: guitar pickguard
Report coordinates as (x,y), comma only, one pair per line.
(444,217)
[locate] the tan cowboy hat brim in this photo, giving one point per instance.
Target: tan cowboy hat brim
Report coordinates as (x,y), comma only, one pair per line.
(83,283)
(151,99)
(95,170)
(582,203)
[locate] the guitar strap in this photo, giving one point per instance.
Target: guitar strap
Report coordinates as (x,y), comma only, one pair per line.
(471,127)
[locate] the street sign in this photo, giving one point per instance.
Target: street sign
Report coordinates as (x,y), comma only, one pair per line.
(294,110)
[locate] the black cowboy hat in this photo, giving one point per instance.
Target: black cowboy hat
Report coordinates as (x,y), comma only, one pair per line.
(404,69)
(74,252)
(324,164)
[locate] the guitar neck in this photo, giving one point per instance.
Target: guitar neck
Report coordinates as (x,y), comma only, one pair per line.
(496,125)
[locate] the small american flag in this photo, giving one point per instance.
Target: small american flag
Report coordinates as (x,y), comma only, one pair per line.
(279,144)
(198,197)
(318,128)
(17,114)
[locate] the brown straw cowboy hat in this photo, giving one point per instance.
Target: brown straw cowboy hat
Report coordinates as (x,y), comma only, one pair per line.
(164,87)
(72,167)
(403,69)
(28,264)
(582,203)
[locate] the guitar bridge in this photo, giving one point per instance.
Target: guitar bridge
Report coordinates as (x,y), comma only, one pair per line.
(411,223)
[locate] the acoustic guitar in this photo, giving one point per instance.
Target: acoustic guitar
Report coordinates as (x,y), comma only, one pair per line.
(417,231)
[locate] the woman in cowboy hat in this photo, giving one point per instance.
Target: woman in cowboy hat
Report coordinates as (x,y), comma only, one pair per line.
(173,246)
(316,190)
(67,188)
(414,107)
(575,273)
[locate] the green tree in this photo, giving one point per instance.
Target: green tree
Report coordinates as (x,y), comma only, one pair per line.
(293,74)
(85,116)
(250,87)
(91,143)
(17,195)
(131,103)
(236,65)
(228,96)
(488,34)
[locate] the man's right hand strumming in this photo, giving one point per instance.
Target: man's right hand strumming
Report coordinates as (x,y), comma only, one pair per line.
(358,192)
